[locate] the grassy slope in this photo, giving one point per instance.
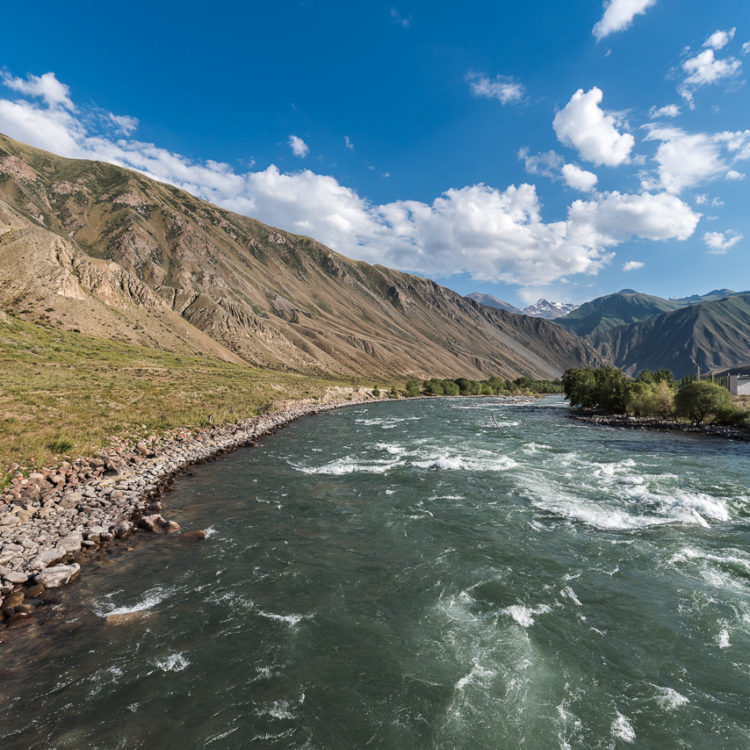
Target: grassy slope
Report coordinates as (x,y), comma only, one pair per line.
(65,385)
(613,310)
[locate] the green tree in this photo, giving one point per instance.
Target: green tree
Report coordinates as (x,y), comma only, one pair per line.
(412,388)
(698,399)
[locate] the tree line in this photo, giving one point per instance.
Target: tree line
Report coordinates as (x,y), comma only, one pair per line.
(523,386)
(652,394)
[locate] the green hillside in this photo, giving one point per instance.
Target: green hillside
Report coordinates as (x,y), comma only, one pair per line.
(710,336)
(620,308)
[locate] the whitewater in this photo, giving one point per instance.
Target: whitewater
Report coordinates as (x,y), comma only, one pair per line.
(432,574)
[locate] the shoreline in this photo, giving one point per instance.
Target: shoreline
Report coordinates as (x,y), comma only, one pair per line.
(662,425)
(55,519)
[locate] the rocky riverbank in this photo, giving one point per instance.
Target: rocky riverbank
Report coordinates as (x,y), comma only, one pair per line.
(662,425)
(52,519)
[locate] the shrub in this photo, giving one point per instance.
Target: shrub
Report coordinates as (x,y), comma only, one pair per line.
(701,398)
(60,445)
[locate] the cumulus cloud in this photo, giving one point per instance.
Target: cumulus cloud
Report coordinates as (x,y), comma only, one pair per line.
(719,243)
(298,146)
(489,233)
(348,143)
(669,110)
(688,159)
(504,89)
(580,179)
(720,39)
(618,15)
(585,126)
(632,265)
(705,68)
(733,174)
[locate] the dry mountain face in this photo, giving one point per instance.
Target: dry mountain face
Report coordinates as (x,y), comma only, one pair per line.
(105,250)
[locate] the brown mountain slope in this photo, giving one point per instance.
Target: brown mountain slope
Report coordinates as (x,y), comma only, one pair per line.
(274,299)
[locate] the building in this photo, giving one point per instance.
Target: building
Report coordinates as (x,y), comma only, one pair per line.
(739,385)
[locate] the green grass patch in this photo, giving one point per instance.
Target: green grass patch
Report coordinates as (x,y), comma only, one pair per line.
(66,393)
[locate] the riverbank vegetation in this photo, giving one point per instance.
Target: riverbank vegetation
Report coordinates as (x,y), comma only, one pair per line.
(523,386)
(609,391)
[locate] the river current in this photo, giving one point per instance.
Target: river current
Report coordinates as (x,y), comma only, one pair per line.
(451,573)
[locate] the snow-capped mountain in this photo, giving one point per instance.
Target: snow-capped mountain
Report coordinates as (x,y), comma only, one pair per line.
(543,308)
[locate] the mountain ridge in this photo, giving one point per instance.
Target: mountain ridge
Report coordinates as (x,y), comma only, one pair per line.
(260,294)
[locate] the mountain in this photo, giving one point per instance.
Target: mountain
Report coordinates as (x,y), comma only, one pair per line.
(625,306)
(549,310)
(541,309)
(694,299)
(713,335)
(489,301)
(91,246)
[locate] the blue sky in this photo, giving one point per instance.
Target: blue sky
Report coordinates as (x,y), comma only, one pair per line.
(523,150)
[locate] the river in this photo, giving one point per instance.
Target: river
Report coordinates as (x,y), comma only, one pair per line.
(451,573)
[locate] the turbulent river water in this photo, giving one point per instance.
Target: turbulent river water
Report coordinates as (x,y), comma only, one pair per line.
(456,573)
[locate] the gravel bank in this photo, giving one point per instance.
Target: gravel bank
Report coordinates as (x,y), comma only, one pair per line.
(662,425)
(51,519)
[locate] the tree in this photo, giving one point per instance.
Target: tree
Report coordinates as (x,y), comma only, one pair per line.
(376,391)
(412,388)
(698,399)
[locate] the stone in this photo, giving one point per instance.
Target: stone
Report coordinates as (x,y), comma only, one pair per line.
(36,589)
(13,599)
(16,577)
(123,618)
(123,529)
(193,536)
(58,575)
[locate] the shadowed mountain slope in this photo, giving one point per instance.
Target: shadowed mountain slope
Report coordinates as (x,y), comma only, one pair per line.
(710,336)
(149,255)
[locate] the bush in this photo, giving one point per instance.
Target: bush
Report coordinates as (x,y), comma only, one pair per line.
(700,399)
(412,388)
(376,391)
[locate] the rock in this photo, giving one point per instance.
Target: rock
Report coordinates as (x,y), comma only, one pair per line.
(8,519)
(13,600)
(123,529)
(193,536)
(126,617)
(171,527)
(16,577)
(21,612)
(34,590)
(59,575)
(158,524)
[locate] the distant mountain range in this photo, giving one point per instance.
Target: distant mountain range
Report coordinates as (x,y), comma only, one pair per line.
(93,247)
(540,309)
(639,331)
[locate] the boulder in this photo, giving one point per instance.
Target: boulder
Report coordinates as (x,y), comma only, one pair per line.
(15,577)
(157,524)
(58,575)
(193,536)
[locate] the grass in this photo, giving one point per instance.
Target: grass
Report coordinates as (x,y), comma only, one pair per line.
(66,394)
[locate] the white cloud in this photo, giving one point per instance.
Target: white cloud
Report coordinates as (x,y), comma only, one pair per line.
(54,93)
(733,174)
(688,159)
(746,48)
(348,143)
(584,125)
(618,15)
(547,164)
(578,178)
(669,110)
(705,68)
(504,88)
(298,146)
(123,124)
(486,232)
(720,39)
(720,242)
(632,265)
